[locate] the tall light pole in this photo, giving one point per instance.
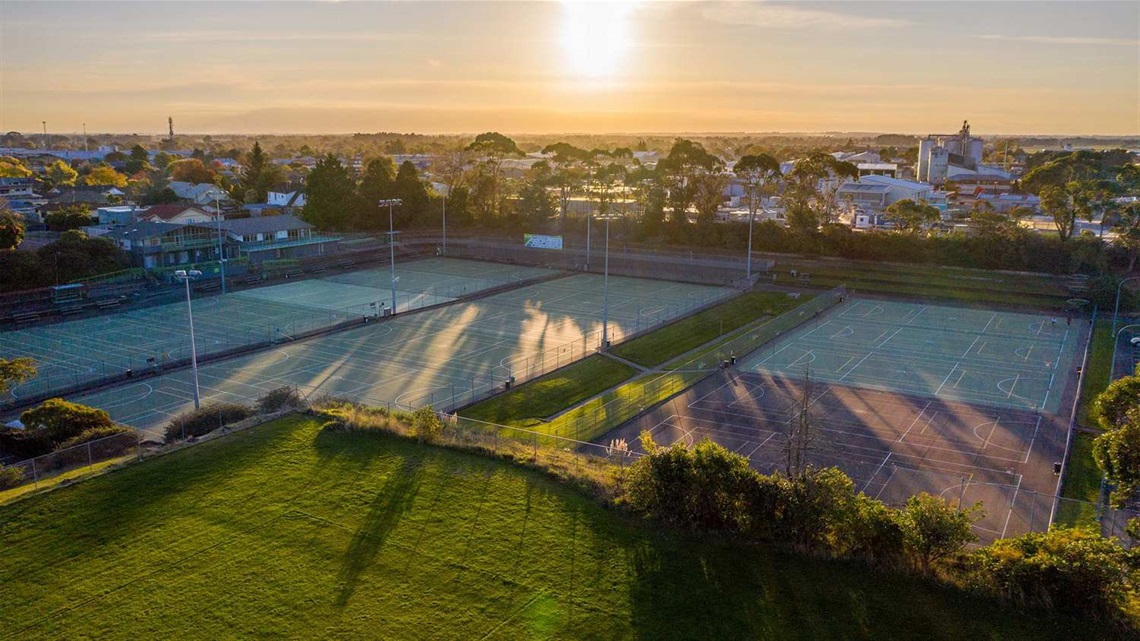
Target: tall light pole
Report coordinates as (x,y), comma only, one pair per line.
(606,284)
(445,219)
(186,277)
(221,256)
(751,215)
(392,202)
(1115,311)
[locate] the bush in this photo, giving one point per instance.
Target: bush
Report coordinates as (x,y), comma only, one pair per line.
(10,477)
(1068,569)
(205,420)
(426,425)
(935,529)
(60,420)
(24,444)
(94,434)
(282,398)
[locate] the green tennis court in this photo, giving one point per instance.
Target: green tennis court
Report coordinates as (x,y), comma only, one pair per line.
(88,349)
(1005,359)
(443,357)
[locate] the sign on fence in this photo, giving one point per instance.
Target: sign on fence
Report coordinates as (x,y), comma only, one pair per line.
(538,241)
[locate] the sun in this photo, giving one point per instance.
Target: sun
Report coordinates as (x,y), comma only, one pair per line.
(596,37)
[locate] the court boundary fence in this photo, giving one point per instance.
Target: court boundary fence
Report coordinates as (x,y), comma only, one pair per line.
(1072,421)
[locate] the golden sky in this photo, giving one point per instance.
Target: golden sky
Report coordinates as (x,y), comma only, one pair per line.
(545,67)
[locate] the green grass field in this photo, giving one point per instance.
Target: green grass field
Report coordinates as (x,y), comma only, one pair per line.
(284,531)
(1097,374)
(689,333)
(530,403)
(1082,482)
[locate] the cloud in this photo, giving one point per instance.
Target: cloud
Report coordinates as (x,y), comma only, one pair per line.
(1066,40)
(792,17)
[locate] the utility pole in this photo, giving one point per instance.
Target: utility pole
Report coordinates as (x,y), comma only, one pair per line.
(392,202)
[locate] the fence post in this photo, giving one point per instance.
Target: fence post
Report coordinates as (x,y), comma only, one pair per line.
(35,475)
(90,462)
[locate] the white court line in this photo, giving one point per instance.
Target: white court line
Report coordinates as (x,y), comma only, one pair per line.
(1032,439)
(976,339)
(868,484)
(886,484)
(988,323)
(887,339)
(914,422)
(762,444)
(845,364)
(856,366)
(1048,389)
(1012,502)
(1014,385)
(948,374)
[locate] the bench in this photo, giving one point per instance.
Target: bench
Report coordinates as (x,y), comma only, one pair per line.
(72,309)
(252,280)
(346,264)
(319,269)
(109,303)
(210,286)
(293,273)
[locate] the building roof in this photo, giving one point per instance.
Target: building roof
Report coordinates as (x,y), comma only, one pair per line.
(894,182)
(865,188)
(142,229)
(169,211)
(264,224)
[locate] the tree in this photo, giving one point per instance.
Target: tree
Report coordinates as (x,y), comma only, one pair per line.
(329,194)
(60,174)
(411,190)
(934,529)
(12,227)
(1072,186)
(911,216)
(12,168)
(60,420)
(569,173)
(761,173)
(105,176)
(138,160)
(801,432)
(1065,569)
(1117,454)
(811,195)
(686,159)
(70,217)
(260,174)
(708,194)
(191,170)
(536,203)
(375,185)
(487,185)
(14,371)
(1110,407)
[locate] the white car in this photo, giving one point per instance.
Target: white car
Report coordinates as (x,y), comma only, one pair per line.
(1135,340)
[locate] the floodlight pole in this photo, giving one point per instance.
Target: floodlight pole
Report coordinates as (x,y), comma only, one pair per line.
(751,215)
(445,221)
(606,286)
(221,256)
(588,219)
(1115,311)
(392,202)
(186,277)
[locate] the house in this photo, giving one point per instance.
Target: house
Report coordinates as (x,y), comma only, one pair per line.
(21,199)
(118,214)
(277,237)
(285,199)
(200,193)
(154,245)
(176,214)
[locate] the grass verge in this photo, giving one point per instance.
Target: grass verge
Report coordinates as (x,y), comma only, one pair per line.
(1098,371)
(289,531)
(528,404)
(689,333)
(1082,483)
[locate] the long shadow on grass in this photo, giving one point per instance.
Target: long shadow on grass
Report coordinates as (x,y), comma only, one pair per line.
(391,503)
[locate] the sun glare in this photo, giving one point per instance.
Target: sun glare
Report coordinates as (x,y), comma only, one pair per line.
(596,37)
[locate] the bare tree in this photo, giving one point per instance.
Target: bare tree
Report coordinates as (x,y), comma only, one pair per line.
(801,431)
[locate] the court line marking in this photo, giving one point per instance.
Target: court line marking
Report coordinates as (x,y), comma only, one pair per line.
(1012,503)
(915,422)
(876,473)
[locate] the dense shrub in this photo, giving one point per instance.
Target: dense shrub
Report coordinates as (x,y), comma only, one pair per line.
(10,477)
(282,398)
(1066,569)
(24,444)
(205,420)
(60,420)
(96,433)
(426,425)
(934,529)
